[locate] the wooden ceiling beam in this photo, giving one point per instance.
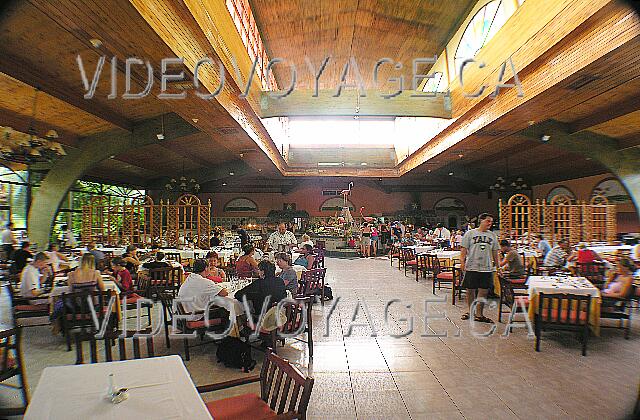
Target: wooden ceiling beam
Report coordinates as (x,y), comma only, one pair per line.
(612,112)
(23,124)
(13,67)
(349,103)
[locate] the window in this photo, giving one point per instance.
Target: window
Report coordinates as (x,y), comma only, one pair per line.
(246,25)
(433,83)
(482,27)
(13,197)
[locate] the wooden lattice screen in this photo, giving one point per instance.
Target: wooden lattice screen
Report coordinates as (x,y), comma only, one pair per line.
(561,218)
(144,223)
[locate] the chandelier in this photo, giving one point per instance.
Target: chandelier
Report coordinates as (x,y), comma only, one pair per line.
(19,147)
(507,183)
(182,185)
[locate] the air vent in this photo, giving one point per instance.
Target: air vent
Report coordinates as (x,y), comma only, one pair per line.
(582,81)
(330,192)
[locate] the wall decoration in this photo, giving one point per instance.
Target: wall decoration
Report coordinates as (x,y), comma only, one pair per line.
(450,204)
(560,190)
(241,204)
(335,204)
(613,190)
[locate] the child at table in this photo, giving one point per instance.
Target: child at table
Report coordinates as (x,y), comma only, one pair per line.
(123,280)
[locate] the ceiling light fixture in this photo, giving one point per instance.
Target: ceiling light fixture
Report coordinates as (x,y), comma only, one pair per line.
(363,164)
(450,173)
(224,184)
(231,173)
(545,138)
(160,135)
(195,120)
(95,42)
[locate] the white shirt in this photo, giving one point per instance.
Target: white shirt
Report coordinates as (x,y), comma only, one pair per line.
(277,238)
(309,242)
(201,290)
(29,280)
(443,233)
(7,237)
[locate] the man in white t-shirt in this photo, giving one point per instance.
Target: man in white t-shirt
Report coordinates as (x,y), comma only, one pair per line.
(281,239)
(442,235)
(30,277)
(200,289)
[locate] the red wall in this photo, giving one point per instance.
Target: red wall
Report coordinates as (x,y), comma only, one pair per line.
(310,198)
(582,188)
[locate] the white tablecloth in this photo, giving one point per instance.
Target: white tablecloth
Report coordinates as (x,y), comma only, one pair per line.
(165,391)
(607,249)
(559,285)
(422,249)
(58,290)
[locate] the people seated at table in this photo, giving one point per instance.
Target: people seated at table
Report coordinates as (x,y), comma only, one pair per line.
(122,278)
(543,245)
(196,291)
(97,254)
(21,257)
(407,240)
(157,262)
(306,258)
(306,239)
(586,255)
(268,288)
(559,255)
(215,239)
(85,277)
(281,239)
(619,284)
(246,265)
(30,285)
(288,275)
(131,259)
(214,273)
(56,258)
(511,262)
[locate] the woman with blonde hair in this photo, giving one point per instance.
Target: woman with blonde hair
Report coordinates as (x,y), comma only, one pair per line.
(86,276)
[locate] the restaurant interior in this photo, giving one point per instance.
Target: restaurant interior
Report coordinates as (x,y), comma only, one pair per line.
(332,209)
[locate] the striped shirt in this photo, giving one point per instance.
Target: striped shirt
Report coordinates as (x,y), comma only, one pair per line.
(557,257)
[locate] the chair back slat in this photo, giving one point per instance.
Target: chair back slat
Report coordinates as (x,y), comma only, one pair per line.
(564,309)
(275,394)
(298,401)
(285,394)
(312,281)
(82,337)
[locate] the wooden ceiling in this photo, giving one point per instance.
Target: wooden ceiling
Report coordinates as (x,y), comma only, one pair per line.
(39,41)
(368,30)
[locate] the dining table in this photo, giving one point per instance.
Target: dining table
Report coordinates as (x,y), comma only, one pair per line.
(550,285)
(157,388)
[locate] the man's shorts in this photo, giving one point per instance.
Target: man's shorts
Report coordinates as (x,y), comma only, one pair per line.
(477,280)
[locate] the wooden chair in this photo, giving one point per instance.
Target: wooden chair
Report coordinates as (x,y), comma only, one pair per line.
(111,336)
(284,393)
(593,271)
(408,259)
(165,280)
(76,312)
(394,253)
(509,298)
(318,261)
(173,256)
(423,265)
(564,312)
(311,284)
(217,324)
(23,308)
(619,309)
(12,365)
(295,313)
(441,274)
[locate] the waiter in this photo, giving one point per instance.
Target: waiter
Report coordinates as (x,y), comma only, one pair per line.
(8,241)
(442,235)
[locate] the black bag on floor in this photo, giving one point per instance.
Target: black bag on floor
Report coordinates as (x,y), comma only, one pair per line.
(328,293)
(235,353)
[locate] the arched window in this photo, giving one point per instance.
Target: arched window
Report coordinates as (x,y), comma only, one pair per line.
(482,27)
(335,204)
(241,204)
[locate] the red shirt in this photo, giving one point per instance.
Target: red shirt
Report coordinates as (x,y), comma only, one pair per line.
(124,279)
(586,256)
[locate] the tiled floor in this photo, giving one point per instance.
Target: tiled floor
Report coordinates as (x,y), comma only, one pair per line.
(453,377)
